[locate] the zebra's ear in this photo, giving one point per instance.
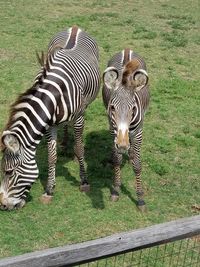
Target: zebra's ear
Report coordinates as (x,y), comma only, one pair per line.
(141,79)
(110,77)
(10,142)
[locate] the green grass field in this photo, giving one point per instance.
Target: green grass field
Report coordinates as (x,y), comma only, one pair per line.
(166,34)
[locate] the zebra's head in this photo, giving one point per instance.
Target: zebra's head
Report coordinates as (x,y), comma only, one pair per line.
(123,109)
(19,171)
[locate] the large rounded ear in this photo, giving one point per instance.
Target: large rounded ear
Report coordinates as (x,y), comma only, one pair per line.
(141,79)
(10,141)
(110,77)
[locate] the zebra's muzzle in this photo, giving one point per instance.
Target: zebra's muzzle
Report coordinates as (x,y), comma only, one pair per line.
(10,203)
(122,143)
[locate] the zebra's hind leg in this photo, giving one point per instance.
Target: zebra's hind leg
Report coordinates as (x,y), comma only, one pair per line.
(79,153)
(51,136)
(134,155)
(117,160)
(65,136)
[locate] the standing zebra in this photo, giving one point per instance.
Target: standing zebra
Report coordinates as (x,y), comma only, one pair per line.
(126,98)
(67,83)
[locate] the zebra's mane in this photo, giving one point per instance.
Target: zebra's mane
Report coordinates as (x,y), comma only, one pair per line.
(13,111)
(31,91)
(43,60)
(130,67)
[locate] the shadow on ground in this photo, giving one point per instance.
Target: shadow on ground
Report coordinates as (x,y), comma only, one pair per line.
(98,161)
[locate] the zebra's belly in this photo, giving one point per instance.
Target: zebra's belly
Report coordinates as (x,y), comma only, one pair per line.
(67,114)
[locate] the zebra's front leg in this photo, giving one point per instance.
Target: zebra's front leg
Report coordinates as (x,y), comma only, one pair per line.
(52,158)
(117,160)
(51,136)
(79,153)
(134,156)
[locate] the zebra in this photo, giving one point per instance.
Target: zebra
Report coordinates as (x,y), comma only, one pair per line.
(126,98)
(68,81)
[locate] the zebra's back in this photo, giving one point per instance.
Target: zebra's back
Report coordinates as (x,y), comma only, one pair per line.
(75,39)
(72,64)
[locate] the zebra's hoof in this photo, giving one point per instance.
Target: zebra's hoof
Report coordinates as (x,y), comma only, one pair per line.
(114,198)
(46,199)
(142,208)
(75,159)
(84,187)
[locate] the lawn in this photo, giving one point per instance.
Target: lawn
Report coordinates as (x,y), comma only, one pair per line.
(166,34)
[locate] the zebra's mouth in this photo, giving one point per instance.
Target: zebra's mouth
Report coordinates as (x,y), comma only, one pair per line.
(20,204)
(11,206)
(122,151)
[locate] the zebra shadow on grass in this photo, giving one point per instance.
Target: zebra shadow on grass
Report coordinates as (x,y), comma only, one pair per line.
(98,146)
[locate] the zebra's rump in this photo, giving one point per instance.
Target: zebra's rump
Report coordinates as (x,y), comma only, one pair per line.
(77,53)
(75,39)
(70,76)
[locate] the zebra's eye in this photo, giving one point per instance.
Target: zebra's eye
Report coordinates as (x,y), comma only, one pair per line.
(9,172)
(134,108)
(112,108)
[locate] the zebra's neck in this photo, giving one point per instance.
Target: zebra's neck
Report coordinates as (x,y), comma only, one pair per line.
(29,119)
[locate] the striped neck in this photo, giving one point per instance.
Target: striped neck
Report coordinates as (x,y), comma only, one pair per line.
(29,120)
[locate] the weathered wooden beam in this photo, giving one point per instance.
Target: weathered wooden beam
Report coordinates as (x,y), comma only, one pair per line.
(71,255)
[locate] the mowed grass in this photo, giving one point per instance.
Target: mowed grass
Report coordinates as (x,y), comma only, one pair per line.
(166,34)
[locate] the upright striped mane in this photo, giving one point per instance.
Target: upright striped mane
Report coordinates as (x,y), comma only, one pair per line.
(130,67)
(32,90)
(42,60)
(126,58)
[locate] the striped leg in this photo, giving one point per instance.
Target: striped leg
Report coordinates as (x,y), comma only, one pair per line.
(52,158)
(51,136)
(116,160)
(134,155)
(79,152)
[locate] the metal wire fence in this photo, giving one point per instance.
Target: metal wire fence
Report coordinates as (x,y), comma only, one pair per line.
(175,243)
(182,253)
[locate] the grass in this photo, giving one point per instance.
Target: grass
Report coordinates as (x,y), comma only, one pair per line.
(167,36)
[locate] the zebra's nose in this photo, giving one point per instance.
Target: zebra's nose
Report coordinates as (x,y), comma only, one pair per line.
(6,205)
(1,198)
(3,202)
(122,141)
(3,207)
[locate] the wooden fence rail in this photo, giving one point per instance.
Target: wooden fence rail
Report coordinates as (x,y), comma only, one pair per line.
(72,255)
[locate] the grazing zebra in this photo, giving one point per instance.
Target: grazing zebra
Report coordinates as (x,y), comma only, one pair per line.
(67,83)
(126,98)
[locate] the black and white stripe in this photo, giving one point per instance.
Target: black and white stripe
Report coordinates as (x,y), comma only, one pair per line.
(126,101)
(67,83)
